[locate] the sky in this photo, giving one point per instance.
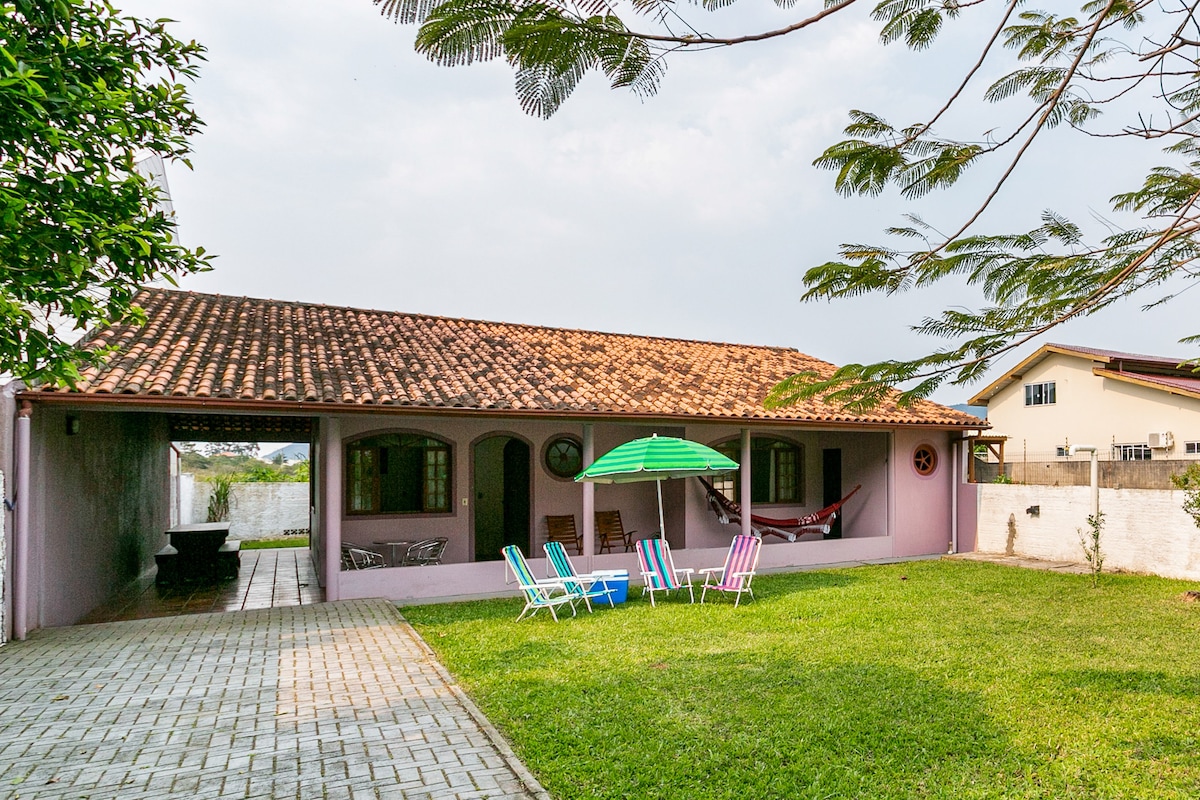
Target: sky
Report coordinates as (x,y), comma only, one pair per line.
(339,166)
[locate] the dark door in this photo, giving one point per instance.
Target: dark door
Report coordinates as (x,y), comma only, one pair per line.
(516,494)
(831,469)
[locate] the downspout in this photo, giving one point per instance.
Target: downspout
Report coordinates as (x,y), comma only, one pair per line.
(331,505)
(955,483)
(589,495)
(744,476)
(20,604)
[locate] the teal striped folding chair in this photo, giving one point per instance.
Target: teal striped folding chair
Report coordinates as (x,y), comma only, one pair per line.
(658,569)
(578,584)
(737,573)
(538,594)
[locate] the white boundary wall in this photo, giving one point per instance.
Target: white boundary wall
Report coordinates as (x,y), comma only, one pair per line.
(1145,530)
(259,510)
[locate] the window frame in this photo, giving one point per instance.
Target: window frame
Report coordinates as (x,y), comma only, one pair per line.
(1042,393)
(1121,451)
(550,443)
(730,484)
(435,464)
(1191,448)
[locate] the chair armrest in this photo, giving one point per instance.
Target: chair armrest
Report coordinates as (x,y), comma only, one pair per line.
(684,570)
(749,574)
(711,569)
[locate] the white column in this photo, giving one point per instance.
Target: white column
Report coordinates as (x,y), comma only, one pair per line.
(744,474)
(331,504)
(589,496)
(20,599)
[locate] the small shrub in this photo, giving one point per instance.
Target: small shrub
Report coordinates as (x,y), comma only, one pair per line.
(1091,545)
(1001,478)
(221,499)
(1189,482)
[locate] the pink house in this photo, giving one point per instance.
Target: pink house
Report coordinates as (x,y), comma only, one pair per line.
(425,426)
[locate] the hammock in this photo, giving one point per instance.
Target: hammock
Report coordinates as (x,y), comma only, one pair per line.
(728,511)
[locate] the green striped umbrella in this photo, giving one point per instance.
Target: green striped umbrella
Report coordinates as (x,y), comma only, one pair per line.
(656,458)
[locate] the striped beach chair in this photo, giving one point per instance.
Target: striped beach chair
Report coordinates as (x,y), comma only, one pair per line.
(578,584)
(737,573)
(658,570)
(538,594)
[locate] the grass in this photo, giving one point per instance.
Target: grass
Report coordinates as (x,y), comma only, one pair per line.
(933,679)
(267,544)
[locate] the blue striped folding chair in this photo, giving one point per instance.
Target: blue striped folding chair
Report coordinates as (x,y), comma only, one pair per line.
(538,594)
(658,569)
(738,572)
(577,583)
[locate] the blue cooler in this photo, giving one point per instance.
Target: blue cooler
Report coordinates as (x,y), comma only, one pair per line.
(615,579)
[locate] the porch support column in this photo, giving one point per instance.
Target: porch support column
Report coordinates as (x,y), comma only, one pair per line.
(20,599)
(331,505)
(744,474)
(589,496)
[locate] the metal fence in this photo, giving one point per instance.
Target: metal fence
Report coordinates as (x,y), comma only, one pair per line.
(1050,469)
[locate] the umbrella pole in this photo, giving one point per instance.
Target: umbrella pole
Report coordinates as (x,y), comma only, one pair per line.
(662,526)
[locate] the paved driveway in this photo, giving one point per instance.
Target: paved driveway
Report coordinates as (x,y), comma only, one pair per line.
(334,700)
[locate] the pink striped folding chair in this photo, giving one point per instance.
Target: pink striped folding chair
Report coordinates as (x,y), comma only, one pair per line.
(658,569)
(738,571)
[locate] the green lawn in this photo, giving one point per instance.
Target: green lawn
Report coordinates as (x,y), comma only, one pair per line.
(940,679)
(269,544)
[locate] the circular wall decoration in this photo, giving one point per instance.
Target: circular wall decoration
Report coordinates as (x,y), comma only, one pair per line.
(925,460)
(564,457)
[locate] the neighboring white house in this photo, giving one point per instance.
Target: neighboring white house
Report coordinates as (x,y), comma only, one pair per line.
(1131,407)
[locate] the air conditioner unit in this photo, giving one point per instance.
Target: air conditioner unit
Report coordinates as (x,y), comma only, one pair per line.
(1160,441)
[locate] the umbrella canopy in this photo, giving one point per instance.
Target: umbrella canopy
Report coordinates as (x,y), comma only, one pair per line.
(656,458)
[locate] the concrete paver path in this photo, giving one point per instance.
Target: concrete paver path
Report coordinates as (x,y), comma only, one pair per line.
(334,700)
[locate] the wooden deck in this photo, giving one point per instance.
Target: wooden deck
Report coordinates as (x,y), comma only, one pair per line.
(266,579)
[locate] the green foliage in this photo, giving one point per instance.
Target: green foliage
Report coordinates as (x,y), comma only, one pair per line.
(1002,478)
(221,500)
(1065,68)
(1090,542)
(1189,482)
(83,93)
(934,679)
(242,468)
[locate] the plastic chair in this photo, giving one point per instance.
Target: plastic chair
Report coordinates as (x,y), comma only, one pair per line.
(538,594)
(738,572)
(610,531)
(578,583)
(562,529)
(658,569)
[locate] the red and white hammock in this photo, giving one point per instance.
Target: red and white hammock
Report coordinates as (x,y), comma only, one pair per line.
(820,521)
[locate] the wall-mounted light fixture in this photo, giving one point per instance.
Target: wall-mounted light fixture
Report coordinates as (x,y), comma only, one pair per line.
(72,424)
(1034,511)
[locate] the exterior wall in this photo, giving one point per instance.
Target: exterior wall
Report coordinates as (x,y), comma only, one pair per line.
(259,510)
(100,510)
(1089,409)
(8,414)
(1144,530)
(922,505)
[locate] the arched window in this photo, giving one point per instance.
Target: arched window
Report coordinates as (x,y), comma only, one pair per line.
(397,473)
(776,471)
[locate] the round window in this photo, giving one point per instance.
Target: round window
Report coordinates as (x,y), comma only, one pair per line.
(564,457)
(925,460)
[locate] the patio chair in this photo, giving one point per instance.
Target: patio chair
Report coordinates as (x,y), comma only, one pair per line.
(658,569)
(610,531)
(562,529)
(424,553)
(361,558)
(578,583)
(538,594)
(737,573)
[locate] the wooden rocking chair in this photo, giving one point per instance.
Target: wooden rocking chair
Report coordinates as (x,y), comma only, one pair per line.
(562,529)
(610,531)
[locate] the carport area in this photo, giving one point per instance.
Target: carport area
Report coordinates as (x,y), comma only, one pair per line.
(334,700)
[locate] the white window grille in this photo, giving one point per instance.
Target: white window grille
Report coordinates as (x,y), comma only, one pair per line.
(1131,452)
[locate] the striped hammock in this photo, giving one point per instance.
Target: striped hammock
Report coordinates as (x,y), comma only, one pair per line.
(819,521)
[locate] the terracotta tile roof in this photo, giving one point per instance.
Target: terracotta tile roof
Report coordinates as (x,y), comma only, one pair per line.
(1169,383)
(199,346)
